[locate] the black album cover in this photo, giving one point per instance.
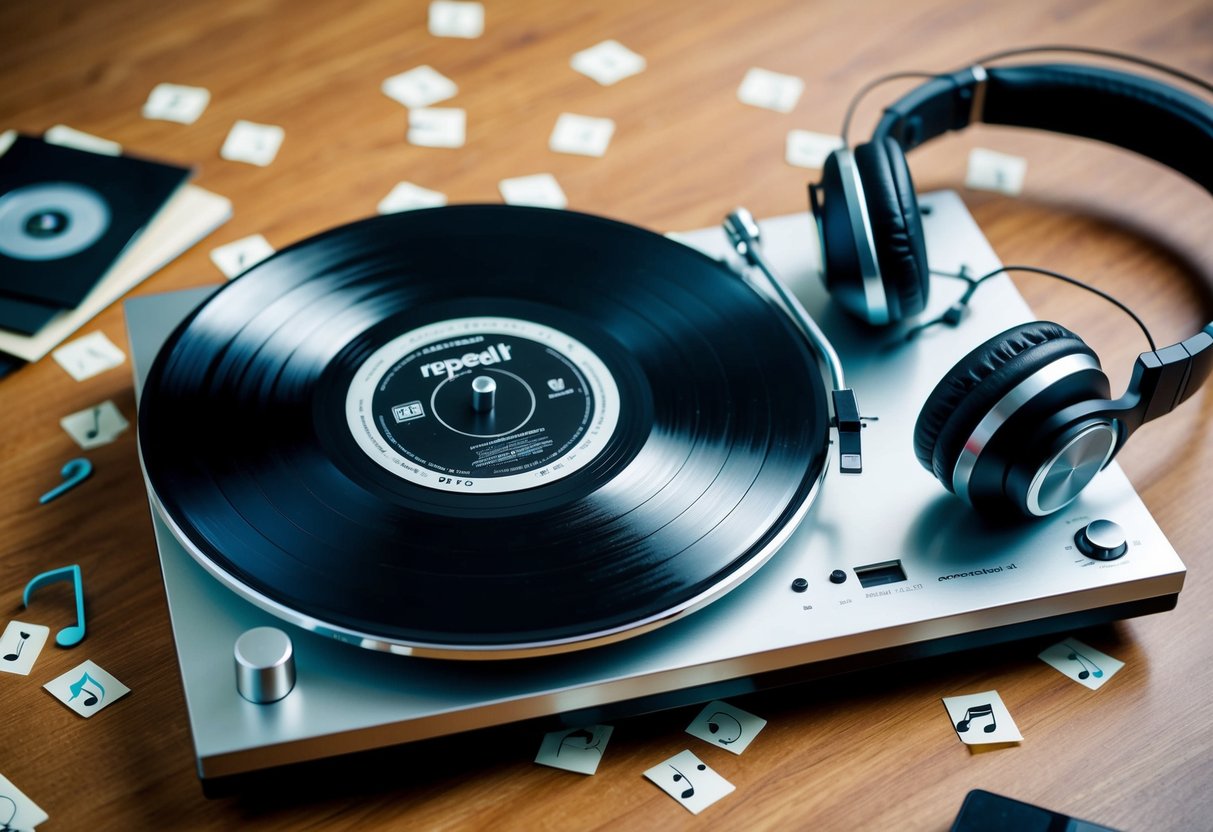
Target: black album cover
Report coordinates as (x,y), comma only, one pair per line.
(65,217)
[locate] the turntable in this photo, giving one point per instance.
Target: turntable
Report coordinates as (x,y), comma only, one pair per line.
(694,567)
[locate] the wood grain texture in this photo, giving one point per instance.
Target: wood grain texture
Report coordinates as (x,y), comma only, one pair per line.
(872,751)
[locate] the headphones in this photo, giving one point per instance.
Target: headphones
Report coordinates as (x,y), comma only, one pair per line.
(1024,422)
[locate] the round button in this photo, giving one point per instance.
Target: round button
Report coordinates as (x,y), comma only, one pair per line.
(1101,540)
(838,576)
(800,585)
(265,665)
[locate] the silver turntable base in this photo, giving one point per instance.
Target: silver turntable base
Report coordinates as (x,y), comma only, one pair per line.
(922,575)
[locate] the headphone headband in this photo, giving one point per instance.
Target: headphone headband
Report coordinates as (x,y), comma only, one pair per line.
(1130,111)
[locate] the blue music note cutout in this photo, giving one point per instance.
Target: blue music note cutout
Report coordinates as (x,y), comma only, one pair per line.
(78,687)
(1083,661)
(74,634)
(976,712)
(74,472)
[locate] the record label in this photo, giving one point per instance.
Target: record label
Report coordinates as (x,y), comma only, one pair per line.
(483,405)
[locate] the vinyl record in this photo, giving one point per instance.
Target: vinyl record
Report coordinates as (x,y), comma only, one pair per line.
(484,431)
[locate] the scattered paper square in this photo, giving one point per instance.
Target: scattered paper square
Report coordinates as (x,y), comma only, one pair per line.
(575,749)
(581,135)
(25,814)
(86,357)
(256,144)
(541,190)
(806,149)
(86,688)
(689,781)
(990,170)
(437,126)
(608,62)
(241,255)
(770,90)
(95,426)
(174,102)
(6,140)
(419,87)
(405,196)
(1082,663)
(19,648)
(726,726)
(65,136)
(981,719)
(450,19)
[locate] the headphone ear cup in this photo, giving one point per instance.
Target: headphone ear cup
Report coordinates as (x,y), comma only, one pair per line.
(981,381)
(896,226)
(839,247)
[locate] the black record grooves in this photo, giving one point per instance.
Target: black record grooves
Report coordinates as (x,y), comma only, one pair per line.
(311,435)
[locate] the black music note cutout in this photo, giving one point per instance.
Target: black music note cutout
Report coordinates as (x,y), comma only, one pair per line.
(588,741)
(12,657)
(1083,661)
(734,732)
(7,825)
(96,428)
(689,792)
(72,635)
(976,712)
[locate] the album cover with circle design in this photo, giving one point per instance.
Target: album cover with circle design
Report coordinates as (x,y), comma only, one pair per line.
(65,216)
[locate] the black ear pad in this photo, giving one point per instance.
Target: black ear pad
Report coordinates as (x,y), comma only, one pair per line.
(979,381)
(896,226)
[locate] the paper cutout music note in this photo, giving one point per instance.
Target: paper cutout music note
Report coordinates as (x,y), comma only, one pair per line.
(672,778)
(74,472)
(22,643)
(86,689)
(964,711)
(72,635)
(977,712)
(1083,661)
(17,811)
(579,749)
(726,726)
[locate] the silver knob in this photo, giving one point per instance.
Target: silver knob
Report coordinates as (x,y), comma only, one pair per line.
(1101,540)
(265,665)
(484,394)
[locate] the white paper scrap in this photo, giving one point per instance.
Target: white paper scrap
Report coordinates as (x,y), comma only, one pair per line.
(95,426)
(1082,663)
(806,149)
(450,19)
(575,749)
(87,356)
(86,688)
(239,256)
(540,189)
(437,127)
(419,87)
(688,780)
(990,170)
(608,62)
(22,813)
(981,719)
(405,196)
(19,648)
(255,144)
(770,90)
(65,136)
(174,102)
(581,135)
(726,726)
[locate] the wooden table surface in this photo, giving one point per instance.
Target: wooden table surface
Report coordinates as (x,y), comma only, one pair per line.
(871,751)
